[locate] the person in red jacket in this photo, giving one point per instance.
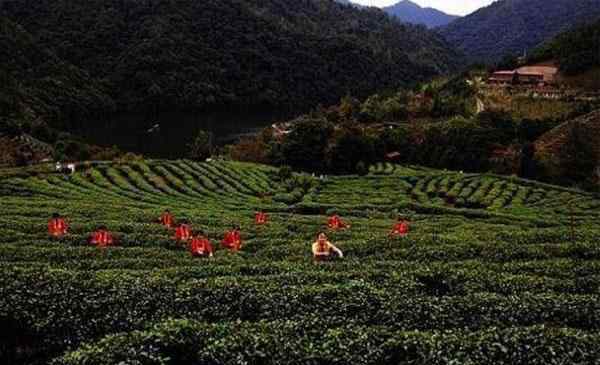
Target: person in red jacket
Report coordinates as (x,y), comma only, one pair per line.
(166,219)
(261,218)
(183,233)
(102,237)
(400,229)
(232,239)
(200,246)
(57,227)
(335,223)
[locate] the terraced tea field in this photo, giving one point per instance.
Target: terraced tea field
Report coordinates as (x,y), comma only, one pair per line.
(491,273)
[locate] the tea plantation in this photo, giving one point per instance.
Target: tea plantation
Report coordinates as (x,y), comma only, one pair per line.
(495,270)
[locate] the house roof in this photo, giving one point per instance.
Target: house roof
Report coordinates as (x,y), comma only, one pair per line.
(504,73)
(531,74)
(549,72)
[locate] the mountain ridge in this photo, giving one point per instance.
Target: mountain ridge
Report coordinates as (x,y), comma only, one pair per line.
(512,27)
(410,12)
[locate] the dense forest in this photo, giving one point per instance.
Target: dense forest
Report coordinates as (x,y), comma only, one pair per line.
(67,59)
(516,26)
(35,83)
(576,51)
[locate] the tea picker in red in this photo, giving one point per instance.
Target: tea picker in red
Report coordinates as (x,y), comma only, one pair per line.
(232,239)
(336,223)
(401,228)
(57,227)
(183,233)
(102,237)
(261,218)
(200,246)
(166,219)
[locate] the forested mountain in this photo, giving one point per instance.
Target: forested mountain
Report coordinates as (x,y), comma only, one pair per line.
(514,26)
(191,54)
(34,82)
(409,12)
(576,51)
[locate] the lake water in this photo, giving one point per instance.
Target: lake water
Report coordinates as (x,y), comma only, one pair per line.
(168,135)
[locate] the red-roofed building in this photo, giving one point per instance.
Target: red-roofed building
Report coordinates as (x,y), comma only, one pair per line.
(503,78)
(541,74)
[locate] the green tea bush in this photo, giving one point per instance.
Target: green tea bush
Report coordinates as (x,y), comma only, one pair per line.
(493,270)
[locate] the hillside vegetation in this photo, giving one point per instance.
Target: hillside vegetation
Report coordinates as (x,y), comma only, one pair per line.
(35,82)
(516,26)
(576,51)
(488,274)
(572,149)
(455,124)
(165,55)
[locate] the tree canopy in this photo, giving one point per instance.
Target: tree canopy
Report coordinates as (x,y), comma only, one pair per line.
(181,55)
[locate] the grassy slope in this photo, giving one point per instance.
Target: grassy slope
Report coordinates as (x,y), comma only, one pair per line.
(486,254)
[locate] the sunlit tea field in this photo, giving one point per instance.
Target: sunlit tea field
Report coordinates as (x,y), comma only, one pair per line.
(495,270)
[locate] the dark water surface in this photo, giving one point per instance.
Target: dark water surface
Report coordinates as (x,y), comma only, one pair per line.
(168,135)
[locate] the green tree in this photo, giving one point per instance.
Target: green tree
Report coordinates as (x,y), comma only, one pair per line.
(349,148)
(202,146)
(349,108)
(305,147)
(528,166)
(577,156)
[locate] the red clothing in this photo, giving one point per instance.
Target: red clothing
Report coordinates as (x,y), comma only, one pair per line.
(401,229)
(166,219)
(232,240)
(57,227)
(200,247)
(182,233)
(102,238)
(335,222)
(261,218)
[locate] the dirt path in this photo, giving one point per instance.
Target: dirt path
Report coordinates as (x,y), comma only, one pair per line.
(480,106)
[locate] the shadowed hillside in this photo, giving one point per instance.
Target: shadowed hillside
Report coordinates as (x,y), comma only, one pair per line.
(163,55)
(572,149)
(516,26)
(35,83)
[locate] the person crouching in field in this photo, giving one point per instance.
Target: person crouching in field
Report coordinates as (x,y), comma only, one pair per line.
(323,250)
(261,218)
(200,246)
(183,233)
(102,237)
(232,239)
(57,227)
(400,229)
(166,219)
(335,223)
